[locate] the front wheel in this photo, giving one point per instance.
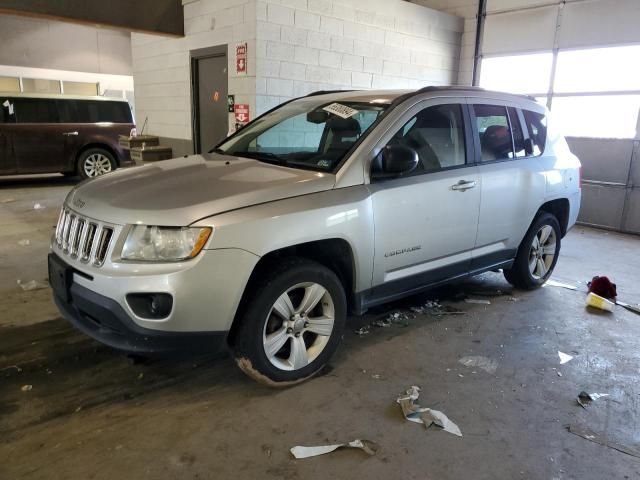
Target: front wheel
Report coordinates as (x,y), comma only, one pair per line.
(537,254)
(293,323)
(95,162)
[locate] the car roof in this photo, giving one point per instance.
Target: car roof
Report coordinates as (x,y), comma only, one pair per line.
(60,96)
(389,96)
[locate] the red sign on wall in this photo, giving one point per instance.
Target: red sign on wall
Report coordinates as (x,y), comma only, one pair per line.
(241,111)
(241,58)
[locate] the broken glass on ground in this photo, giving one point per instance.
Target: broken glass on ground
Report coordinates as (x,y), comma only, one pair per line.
(478,301)
(367,446)
(434,307)
(427,416)
(584,399)
(553,283)
(485,363)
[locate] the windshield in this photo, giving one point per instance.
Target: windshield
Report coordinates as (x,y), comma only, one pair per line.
(306,133)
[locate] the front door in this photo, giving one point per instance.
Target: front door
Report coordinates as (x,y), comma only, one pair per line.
(426,223)
(210,97)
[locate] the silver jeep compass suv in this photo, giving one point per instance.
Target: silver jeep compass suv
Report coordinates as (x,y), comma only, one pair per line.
(327,204)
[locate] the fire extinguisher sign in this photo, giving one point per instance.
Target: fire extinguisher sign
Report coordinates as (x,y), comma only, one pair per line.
(241,58)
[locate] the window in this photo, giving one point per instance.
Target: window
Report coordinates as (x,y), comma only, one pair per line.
(38,85)
(598,70)
(80,88)
(9,84)
(35,110)
(518,136)
(94,111)
(437,135)
(494,132)
(517,73)
(306,133)
(537,127)
(613,116)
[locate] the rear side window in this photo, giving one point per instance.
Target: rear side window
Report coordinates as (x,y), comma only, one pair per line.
(537,126)
(518,136)
(35,110)
(493,129)
(94,111)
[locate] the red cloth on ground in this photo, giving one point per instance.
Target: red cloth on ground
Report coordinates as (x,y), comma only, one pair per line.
(603,286)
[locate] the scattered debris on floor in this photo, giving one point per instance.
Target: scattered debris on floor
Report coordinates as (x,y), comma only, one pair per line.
(564,358)
(602,440)
(478,301)
(632,308)
(26,388)
(601,303)
(7,200)
(485,363)
(584,399)
(489,292)
(603,287)
(363,330)
(38,206)
(434,307)
(370,448)
(376,376)
(31,285)
(24,243)
(396,318)
(415,413)
(553,283)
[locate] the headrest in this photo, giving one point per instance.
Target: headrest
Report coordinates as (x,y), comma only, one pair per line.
(344,126)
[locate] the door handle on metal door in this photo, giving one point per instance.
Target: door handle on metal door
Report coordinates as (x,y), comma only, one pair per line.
(68,134)
(463,185)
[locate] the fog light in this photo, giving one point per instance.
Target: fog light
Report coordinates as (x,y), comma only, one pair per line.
(150,305)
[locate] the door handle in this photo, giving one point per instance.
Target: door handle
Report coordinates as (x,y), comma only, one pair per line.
(69,134)
(463,185)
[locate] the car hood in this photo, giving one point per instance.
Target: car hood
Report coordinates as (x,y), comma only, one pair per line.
(184,190)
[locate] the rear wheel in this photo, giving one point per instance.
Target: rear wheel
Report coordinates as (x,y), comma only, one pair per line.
(537,254)
(95,162)
(292,325)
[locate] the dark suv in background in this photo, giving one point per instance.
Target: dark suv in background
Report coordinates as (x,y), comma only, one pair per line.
(59,133)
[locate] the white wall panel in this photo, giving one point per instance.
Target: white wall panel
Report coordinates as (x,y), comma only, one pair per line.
(503,5)
(531,30)
(600,22)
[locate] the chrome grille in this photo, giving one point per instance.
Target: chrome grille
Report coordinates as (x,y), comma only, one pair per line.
(82,238)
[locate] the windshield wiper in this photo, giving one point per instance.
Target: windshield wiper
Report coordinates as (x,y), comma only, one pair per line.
(219,151)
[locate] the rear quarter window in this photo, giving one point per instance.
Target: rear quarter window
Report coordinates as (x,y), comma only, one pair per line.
(94,111)
(537,126)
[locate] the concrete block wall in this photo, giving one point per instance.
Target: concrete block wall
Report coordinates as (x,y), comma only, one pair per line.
(308,45)
(468,10)
(161,69)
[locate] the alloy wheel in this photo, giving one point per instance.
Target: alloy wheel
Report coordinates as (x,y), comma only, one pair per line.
(96,164)
(542,252)
(298,326)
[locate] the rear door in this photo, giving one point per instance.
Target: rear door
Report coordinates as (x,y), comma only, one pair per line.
(425,223)
(510,185)
(7,159)
(38,137)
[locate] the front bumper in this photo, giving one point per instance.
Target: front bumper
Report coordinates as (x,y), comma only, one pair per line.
(106,321)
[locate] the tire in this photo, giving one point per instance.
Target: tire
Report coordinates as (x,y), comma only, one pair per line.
(286,330)
(95,162)
(533,265)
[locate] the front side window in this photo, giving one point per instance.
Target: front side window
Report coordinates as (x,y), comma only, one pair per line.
(493,129)
(437,135)
(308,133)
(537,126)
(35,110)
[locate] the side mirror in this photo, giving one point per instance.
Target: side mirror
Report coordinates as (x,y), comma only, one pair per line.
(396,161)
(528,146)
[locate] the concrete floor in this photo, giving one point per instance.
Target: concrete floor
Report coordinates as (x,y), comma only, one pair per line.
(94,414)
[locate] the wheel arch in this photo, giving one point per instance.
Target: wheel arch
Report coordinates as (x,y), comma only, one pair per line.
(559,208)
(334,253)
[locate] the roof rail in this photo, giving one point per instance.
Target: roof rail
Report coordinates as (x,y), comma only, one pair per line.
(469,88)
(324,92)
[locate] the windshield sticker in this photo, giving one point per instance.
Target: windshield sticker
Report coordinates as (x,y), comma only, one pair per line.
(340,110)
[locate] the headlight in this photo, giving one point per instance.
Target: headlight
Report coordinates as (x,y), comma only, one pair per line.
(168,244)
